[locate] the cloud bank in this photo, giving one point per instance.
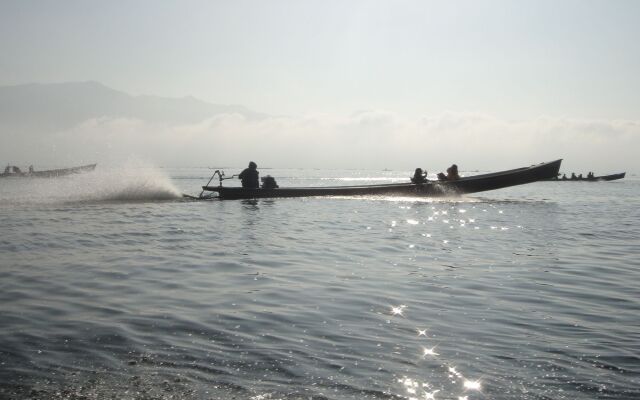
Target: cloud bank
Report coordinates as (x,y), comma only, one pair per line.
(364,140)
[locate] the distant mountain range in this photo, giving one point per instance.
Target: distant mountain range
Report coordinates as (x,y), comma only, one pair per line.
(64,105)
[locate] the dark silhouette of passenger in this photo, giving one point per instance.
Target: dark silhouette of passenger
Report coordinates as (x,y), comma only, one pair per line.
(16,170)
(564,177)
(442,177)
(419,176)
(452,173)
(269,182)
(249,176)
(7,170)
(580,176)
(573,176)
(30,169)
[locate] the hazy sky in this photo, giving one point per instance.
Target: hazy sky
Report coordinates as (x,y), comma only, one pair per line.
(511,59)
(373,84)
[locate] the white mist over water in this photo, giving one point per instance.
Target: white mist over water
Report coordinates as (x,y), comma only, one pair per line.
(130,182)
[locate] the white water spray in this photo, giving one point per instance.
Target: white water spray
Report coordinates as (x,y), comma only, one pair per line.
(130,182)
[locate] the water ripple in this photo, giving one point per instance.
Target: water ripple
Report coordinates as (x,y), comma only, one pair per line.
(340,298)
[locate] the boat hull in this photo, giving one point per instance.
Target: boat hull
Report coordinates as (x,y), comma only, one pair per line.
(53,173)
(611,177)
(472,184)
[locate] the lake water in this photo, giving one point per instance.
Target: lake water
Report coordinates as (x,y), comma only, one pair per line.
(113,287)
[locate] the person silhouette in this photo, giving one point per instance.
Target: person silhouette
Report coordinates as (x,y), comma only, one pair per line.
(249,176)
(419,176)
(452,173)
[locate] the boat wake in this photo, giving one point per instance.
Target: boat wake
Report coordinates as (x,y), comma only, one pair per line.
(141,184)
(412,199)
(122,184)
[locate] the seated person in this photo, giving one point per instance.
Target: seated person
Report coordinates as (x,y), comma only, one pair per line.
(269,182)
(442,177)
(452,173)
(419,177)
(573,176)
(249,176)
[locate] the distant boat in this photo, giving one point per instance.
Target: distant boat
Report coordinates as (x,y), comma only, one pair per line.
(611,177)
(469,184)
(12,171)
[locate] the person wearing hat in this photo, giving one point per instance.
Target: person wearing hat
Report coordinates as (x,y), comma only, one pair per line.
(249,177)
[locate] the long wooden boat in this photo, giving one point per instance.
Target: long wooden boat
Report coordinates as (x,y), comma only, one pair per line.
(51,173)
(611,177)
(470,184)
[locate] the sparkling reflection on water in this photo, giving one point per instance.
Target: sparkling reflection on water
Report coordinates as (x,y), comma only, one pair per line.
(526,293)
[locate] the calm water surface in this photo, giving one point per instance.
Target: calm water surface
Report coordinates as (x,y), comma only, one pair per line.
(112,286)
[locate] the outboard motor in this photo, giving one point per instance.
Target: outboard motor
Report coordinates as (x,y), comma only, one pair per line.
(269,182)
